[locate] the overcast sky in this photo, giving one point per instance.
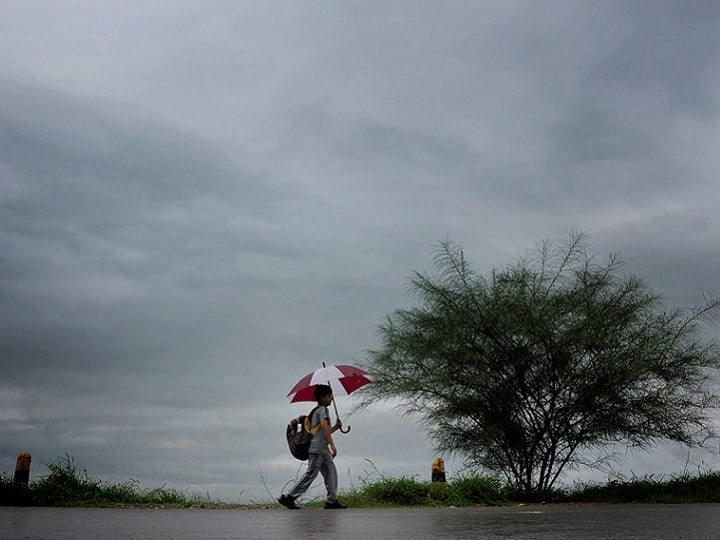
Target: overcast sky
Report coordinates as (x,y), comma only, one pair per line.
(200,202)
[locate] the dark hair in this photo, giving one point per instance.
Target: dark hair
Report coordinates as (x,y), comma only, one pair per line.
(321,390)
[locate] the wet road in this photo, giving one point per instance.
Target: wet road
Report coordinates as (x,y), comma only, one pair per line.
(697,521)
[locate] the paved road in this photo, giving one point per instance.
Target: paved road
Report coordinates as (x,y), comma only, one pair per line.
(695,522)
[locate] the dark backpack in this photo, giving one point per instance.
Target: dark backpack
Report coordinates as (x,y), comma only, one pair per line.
(299,434)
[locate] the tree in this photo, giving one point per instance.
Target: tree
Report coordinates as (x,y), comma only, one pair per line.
(525,371)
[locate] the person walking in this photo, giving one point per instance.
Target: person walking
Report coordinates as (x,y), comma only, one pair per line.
(321,454)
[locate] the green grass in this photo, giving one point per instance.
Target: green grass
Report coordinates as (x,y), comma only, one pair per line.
(703,488)
(66,486)
(406,491)
(472,490)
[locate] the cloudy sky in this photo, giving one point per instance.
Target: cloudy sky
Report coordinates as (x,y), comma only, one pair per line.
(201,201)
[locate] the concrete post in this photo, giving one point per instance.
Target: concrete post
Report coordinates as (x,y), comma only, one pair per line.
(438,470)
(22,468)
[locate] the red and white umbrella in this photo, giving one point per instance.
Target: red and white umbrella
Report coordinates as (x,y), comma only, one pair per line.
(343,380)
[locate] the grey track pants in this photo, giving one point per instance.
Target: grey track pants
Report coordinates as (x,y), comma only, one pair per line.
(318,464)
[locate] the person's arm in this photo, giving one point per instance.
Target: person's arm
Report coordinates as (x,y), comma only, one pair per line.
(325,427)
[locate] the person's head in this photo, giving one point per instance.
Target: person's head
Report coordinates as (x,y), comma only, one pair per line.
(322,392)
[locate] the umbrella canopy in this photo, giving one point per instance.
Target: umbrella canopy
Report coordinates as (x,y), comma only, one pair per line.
(343,380)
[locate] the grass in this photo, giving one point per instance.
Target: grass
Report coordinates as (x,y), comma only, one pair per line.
(703,488)
(66,486)
(481,491)
(404,491)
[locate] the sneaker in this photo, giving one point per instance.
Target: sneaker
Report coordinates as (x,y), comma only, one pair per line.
(288,502)
(334,505)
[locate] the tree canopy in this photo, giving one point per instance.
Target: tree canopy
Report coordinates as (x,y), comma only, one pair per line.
(525,370)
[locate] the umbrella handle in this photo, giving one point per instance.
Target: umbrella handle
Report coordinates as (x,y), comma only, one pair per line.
(342,430)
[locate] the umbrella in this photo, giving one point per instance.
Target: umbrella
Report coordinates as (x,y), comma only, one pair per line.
(343,380)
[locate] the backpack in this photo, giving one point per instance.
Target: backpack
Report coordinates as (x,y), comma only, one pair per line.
(299,434)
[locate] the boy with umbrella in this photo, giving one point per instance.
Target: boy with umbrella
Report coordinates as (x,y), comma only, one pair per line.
(321,454)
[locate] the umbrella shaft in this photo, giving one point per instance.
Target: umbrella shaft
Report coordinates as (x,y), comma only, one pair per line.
(337,416)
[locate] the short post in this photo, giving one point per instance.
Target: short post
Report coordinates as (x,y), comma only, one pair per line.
(22,468)
(438,470)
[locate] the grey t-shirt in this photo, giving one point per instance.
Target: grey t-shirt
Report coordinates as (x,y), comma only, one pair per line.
(319,443)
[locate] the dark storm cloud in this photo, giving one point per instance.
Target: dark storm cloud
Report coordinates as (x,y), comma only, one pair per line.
(648,73)
(115,214)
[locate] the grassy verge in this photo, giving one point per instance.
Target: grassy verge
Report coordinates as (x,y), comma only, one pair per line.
(703,488)
(482,491)
(403,491)
(66,486)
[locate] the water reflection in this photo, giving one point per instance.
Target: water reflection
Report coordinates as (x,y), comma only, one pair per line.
(551,522)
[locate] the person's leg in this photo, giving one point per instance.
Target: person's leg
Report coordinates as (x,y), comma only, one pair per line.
(329,472)
(313,468)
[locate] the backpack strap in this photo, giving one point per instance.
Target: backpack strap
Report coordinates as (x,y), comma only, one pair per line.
(308,422)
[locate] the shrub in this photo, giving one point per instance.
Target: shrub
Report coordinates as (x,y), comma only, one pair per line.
(477,490)
(401,491)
